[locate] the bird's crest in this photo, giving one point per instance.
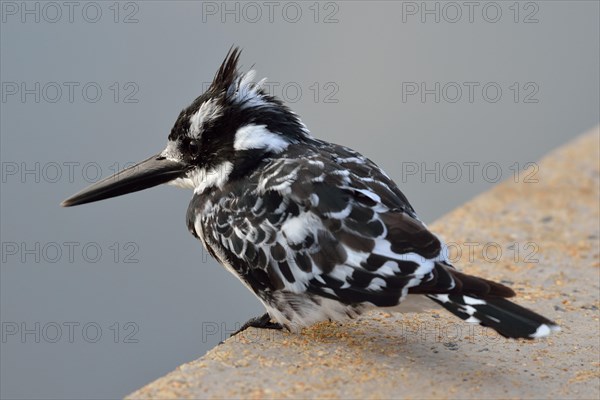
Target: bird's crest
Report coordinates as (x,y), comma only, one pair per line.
(234,87)
(228,71)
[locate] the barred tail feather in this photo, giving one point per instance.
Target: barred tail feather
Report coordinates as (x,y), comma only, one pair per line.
(507,318)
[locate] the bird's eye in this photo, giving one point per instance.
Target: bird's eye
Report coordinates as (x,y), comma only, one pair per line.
(193,147)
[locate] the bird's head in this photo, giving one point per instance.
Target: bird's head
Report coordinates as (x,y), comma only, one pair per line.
(223,134)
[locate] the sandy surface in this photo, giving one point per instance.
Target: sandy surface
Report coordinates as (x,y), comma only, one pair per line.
(548,232)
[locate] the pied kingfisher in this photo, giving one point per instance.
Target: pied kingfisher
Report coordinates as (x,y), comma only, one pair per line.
(314,229)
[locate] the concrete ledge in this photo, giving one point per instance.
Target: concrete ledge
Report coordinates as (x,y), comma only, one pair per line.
(436,355)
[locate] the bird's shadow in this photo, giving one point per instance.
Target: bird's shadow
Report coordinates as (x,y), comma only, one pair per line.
(443,351)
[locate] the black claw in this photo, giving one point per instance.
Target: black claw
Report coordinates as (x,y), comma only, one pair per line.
(263,322)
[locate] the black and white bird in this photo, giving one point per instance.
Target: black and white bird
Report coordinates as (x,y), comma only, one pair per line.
(314,229)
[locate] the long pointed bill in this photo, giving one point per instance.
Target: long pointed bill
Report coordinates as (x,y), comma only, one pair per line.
(150,172)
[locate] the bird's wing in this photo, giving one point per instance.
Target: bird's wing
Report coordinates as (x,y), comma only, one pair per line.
(356,236)
(330,222)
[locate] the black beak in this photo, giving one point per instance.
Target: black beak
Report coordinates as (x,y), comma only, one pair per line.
(145,174)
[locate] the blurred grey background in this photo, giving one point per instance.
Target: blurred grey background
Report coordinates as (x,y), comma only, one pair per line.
(98,300)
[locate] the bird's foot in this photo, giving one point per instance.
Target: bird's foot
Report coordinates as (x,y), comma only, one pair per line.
(263,322)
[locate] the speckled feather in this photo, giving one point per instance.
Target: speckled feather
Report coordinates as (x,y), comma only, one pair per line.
(321,221)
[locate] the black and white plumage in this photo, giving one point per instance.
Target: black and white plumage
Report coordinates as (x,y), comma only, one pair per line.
(316,230)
